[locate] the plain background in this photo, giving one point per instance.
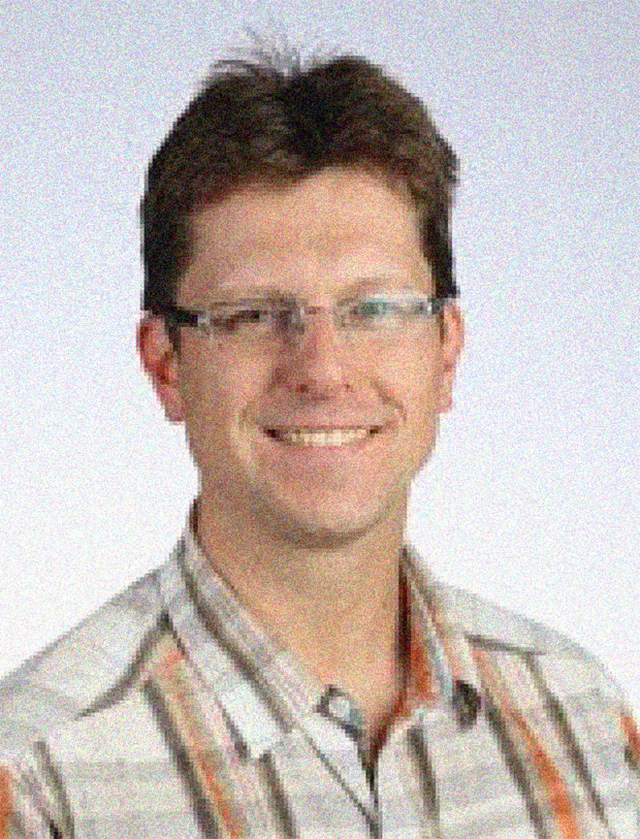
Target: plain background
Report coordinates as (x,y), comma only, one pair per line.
(532,497)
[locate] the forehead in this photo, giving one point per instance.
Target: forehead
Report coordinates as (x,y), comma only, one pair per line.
(337,222)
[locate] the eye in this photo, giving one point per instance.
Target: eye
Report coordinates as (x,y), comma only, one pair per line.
(373,312)
(250,317)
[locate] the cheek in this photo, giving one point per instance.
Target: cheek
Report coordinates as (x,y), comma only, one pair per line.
(415,379)
(205,406)
(216,398)
(418,392)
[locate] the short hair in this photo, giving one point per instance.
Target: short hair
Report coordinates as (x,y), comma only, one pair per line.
(272,119)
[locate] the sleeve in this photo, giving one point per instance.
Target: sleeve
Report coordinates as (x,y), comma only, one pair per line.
(24,811)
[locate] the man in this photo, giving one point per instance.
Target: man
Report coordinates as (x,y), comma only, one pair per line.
(293,670)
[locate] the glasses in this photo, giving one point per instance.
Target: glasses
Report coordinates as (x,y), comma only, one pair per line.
(264,321)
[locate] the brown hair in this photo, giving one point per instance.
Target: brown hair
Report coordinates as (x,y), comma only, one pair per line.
(274,120)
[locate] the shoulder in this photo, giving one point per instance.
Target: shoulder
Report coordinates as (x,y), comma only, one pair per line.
(565,665)
(83,668)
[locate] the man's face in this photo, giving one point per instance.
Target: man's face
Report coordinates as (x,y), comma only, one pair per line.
(256,422)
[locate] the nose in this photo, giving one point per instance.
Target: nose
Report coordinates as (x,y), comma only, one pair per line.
(314,358)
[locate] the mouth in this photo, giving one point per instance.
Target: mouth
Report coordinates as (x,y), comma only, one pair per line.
(323,437)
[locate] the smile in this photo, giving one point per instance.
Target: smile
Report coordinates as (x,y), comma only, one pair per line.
(325,437)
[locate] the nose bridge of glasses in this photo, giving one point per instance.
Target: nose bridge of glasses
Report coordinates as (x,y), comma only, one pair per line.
(317,358)
(316,332)
(304,315)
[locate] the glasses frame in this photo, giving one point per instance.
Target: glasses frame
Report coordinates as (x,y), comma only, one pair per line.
(205,319)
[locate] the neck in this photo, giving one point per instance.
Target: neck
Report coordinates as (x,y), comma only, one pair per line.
(334,607)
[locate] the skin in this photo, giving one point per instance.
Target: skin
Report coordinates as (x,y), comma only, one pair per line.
(309,537)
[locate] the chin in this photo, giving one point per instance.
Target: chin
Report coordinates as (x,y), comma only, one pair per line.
(316,536)
(330,527)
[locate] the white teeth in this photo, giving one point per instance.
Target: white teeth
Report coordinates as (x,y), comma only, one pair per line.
(329,438)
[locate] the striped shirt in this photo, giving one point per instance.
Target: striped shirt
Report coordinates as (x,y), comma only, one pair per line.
(171,714)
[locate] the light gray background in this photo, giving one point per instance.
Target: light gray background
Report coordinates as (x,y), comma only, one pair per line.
(532,498)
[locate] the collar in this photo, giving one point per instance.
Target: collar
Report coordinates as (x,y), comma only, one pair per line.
(440,650)
(264,690)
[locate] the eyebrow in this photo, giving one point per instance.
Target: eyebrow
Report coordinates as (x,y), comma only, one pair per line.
(275,292)
(250,292)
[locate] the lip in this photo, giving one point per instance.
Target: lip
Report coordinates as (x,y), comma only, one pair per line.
(324,465)
(273,430)
(331,450)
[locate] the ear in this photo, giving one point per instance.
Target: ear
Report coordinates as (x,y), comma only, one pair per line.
(160,362)
(452,341)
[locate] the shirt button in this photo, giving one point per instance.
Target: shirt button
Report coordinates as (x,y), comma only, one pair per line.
(341,708)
